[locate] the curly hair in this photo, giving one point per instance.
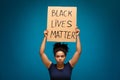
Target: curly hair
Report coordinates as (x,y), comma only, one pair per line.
(60,47)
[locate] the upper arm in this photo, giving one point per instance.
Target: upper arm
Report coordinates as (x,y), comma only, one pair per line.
(45,60)
(75,58)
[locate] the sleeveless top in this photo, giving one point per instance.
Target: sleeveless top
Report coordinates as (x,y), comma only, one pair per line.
(60,74)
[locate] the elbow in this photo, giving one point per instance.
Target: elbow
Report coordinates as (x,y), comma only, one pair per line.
(41,51)
(79,50)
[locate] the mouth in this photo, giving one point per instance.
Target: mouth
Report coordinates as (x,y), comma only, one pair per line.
(59,61)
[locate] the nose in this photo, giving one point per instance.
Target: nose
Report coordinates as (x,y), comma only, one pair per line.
(60,58)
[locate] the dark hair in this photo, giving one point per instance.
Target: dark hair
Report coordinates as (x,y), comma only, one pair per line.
(60,47)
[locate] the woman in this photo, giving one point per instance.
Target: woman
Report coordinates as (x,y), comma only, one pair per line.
(60,70)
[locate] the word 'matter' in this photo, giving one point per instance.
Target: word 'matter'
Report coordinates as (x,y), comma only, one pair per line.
(63,34)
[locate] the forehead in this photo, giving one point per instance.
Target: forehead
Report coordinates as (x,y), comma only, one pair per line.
(60,53)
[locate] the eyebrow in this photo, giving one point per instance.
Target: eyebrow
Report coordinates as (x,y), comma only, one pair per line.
(60,55)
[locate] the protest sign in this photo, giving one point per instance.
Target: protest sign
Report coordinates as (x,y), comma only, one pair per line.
(61,24)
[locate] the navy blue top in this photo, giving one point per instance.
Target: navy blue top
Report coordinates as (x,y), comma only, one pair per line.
(60,74)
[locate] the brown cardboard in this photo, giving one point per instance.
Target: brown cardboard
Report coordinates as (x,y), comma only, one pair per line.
(61,24)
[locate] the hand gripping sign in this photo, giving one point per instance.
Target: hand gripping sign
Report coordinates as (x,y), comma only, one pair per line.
(61,24)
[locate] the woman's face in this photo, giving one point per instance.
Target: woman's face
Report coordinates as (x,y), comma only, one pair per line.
(60,57)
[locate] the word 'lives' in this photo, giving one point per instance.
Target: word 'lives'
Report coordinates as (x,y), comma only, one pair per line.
(63,23)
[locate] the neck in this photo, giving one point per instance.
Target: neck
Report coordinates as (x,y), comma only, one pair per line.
(60,66)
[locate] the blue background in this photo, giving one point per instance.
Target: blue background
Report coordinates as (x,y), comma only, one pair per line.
(21,33)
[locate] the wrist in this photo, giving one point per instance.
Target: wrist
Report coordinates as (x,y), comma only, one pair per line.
(77,36)
(45,37)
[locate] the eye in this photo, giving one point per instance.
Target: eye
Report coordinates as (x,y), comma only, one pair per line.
(62,56)
(57,56)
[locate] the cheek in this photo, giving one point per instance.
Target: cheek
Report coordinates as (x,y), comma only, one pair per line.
(64,58)
(56,59)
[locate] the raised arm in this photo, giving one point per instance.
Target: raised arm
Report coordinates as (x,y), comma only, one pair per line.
(76,55)
(44,58)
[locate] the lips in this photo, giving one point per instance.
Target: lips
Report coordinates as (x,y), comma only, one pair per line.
(60,61)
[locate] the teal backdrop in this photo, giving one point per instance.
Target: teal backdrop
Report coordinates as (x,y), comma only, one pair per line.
(21,33)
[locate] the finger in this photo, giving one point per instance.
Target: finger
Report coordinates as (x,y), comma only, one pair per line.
(46,31)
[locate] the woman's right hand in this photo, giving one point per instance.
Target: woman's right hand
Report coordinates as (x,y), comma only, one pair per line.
(46,33)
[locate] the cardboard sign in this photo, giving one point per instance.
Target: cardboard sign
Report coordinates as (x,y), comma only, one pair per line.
(61,24)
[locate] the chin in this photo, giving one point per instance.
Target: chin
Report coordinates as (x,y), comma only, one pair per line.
(60,62)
